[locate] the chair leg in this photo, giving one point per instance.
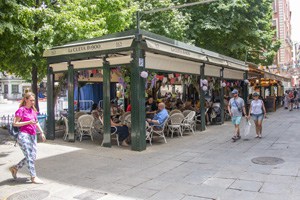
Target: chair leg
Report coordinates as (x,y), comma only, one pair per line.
(117,136)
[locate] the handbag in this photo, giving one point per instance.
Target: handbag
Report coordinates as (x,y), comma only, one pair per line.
(13,132)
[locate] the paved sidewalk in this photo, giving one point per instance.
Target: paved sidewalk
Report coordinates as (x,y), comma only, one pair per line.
(204,166)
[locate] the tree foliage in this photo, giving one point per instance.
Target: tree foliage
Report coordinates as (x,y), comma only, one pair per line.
(27,29)
(171,23)
(234,27)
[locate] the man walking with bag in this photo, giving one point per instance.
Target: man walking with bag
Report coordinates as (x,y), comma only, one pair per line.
(236,108)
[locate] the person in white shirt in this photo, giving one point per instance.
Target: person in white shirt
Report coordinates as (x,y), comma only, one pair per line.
(258,111)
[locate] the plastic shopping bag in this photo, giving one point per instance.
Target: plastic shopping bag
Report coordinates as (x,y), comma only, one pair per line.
(247,128)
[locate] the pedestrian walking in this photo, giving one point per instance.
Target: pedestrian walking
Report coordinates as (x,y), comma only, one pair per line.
(257,111)
(26,120)
(291,99)
(236,108)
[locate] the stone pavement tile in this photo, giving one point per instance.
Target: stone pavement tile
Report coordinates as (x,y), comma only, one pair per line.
(229,174)
(90,195)
(252,186)
(286,170)
(167,196)
(204,191)
(276,188)
(253,176)
(69,192)
(179,187)
(219,182)
(295,187)
(139,193)
(154,185)
(198,177)
(231,194)
(274,178)
(268,196)
(115,188)
(118,197)
(132,180)
(195,198)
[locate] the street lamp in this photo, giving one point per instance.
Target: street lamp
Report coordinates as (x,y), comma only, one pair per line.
(139,16)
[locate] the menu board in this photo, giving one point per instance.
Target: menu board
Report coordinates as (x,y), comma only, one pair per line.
(270,103)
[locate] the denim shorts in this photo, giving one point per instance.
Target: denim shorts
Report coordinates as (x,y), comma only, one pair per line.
(236,120)
(257,117)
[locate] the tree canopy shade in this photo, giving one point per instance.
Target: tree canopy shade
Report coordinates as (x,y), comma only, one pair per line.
(234,27)
(27,29)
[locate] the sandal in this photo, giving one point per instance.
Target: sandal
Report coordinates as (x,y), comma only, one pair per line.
(36,180)
(13,171)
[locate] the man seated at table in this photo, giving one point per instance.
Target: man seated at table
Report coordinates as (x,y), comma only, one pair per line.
(159,118)
(150,107)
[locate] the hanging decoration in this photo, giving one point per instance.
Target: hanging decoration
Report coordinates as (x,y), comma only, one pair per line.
(144,74)
(223,84)
(246,81)
(203,84)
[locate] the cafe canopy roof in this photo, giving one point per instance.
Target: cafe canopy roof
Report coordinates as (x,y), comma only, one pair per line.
(140,50)
(162,54)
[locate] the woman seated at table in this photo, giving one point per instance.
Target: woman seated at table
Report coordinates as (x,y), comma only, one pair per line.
(96,113)
(122,131)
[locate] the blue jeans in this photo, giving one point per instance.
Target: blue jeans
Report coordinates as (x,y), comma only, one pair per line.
(257,117)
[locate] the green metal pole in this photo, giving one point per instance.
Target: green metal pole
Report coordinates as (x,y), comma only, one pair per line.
(222,94)
(71,118)
(245,90)
(137,87)
(106,104)
(202,99)
(50,105)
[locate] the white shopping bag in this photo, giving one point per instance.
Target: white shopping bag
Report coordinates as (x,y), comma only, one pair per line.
(247,128)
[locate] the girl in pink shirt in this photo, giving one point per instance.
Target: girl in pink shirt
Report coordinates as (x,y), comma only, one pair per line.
(26,119)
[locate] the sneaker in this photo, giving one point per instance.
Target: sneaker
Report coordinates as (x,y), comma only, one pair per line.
(13,171)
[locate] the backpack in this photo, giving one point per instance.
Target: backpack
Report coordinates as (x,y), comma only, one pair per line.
(291,95)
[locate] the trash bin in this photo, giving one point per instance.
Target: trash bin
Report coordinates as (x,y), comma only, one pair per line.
(42,121)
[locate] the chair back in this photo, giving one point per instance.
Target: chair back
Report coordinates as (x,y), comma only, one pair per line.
(191,116)
(78,114)
(86,121)
(174,111)
(124,116)
(127,120)
(176,118)
(186,112)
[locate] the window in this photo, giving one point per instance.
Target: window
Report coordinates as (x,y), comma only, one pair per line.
(5,89)
(14,89)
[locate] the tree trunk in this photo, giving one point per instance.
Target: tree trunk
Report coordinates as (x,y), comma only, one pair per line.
(34,85)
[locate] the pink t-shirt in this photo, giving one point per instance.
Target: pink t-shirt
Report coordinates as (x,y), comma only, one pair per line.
(27,114)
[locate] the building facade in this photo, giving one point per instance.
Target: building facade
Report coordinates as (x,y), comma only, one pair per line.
(282,23)
(12,87)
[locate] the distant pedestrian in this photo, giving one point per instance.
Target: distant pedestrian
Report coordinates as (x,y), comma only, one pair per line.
(26,119)
(258,111)
(236,108)
(291,98)
(286,100)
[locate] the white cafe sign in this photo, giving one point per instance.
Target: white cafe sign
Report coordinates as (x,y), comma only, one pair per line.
(175,50)
(85,48)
